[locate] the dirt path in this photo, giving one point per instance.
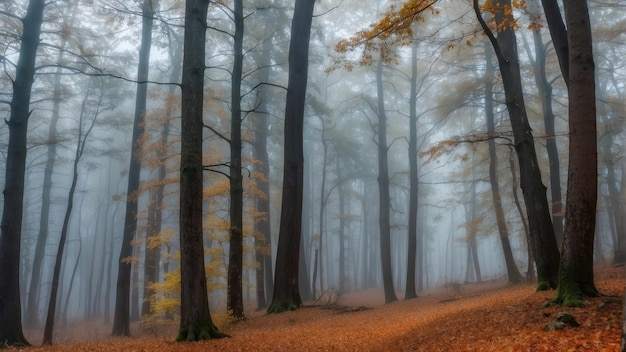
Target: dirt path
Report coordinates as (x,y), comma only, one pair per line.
(504,319)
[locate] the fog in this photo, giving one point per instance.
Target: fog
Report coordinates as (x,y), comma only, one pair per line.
(87,65)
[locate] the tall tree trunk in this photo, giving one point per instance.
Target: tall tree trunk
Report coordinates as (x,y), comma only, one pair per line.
(80,148)
(286,293)
(559,35)
(545,94)
(540,222)
(121,319)
(234,302)
(263,250)
(31,318)
(195,317)
(511,269)
(322,208)
(413,180)
(383,191)
(576,270)
(10,306)
(155,218)
(342,227)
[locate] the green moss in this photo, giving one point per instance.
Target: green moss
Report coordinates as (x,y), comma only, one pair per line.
(574,285)
(543,286)
(279,307)
(207,331)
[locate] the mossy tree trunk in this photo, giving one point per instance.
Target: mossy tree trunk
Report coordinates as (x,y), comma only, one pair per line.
(576,271)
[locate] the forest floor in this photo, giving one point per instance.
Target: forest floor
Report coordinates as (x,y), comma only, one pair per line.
(486,317)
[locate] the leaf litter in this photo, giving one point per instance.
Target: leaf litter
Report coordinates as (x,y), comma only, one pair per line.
(486,317)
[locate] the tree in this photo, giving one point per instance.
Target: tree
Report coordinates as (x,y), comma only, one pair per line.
(513,273)
(538,212)
(545,93)
(576,267)
(384,201)
(80,149)
(10,306)
(31,318)
(235,254)
(263,243)
(195,317)
(121,319)
(413,180)
(155,218)
(286,295)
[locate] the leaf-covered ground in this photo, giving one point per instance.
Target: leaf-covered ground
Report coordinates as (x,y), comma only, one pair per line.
(498,319)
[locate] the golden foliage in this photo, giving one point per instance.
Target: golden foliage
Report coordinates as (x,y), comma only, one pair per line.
(394,29)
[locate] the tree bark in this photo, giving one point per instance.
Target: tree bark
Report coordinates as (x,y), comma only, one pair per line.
(286,293)
(545,93)
(121,319)
(513,273)
(195,320)
(195,317)
(10,305)
(383,191)
(410,291)
(234,301)
(576,270)
(540,222)
(263,250)
(559,35)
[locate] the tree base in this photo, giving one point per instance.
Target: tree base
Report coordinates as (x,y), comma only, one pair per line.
(14,343)
(282,307)
(543,286)
(205,332)
(573,295)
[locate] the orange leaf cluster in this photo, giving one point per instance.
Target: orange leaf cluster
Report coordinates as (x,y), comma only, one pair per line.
(394,29)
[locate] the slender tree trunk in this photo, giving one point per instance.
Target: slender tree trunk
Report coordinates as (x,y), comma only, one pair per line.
(511,269)
(80,249)
(235,263)
(322,208)
(121,319)
(576,270)
(155,218)
(559,35)
(107,294)
(342,227)
(530,272)
(540,221)
(152,255)
(383,191)
(80,148)
(32,307)
(413,180)
(10,306)
(286,293)
(263,250)
(545,94)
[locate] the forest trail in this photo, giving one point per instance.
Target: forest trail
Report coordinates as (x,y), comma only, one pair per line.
(502,318)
